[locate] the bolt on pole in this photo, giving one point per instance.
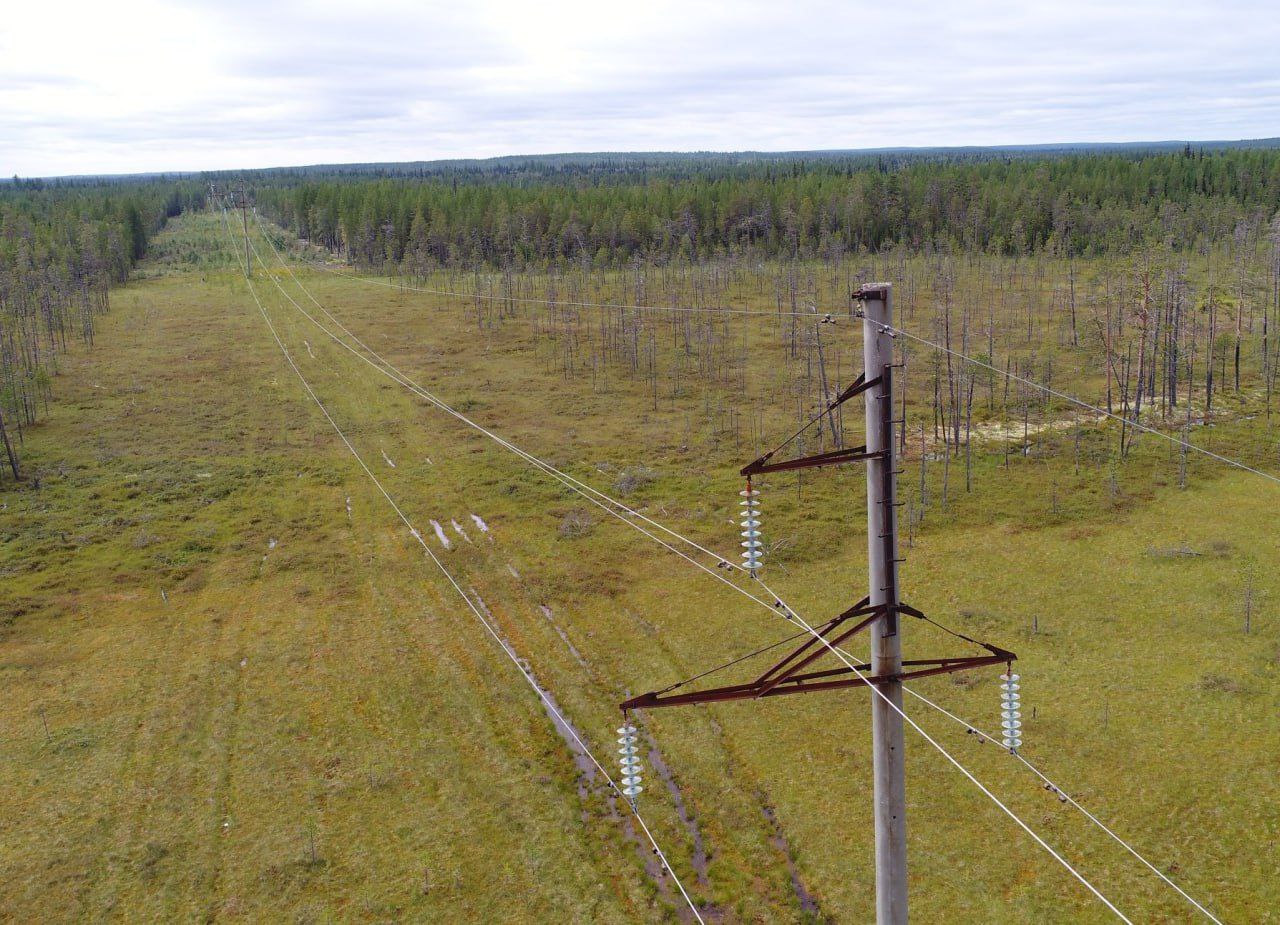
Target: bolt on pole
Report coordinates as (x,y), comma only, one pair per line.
(888,759)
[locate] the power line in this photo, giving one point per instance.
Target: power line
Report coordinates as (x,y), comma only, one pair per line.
(875,689)
(813,314)
(1066,796)
(589,492)
(776,607)
(810,630)
(1083,404)
(515,659)
(562,303)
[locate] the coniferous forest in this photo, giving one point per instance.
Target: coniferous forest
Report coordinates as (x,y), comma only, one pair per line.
(62,246)
(1077,204)
(64,243)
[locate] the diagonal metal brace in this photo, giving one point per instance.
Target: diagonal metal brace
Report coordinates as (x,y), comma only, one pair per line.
(833,458)
(760,465)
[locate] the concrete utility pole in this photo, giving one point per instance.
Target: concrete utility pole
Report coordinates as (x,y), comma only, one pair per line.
(878,613)
(888,760)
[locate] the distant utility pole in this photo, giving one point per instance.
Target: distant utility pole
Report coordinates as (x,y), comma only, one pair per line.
(887,759)
(878,613)
(244,215)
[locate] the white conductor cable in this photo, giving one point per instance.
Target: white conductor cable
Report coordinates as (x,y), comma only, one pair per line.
(511,654)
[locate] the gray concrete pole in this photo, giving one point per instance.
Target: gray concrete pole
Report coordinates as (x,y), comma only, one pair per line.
(888,763)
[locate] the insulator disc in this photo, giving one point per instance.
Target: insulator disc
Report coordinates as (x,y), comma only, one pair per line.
(749,492)
(1012,743)
(627,750)
(627,740)
(1011,714)
(633,791)
(1010,677)
(626,730)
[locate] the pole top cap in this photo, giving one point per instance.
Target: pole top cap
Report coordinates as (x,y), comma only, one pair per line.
(872,291)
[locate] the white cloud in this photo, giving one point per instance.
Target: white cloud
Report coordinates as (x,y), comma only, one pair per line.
(149,85)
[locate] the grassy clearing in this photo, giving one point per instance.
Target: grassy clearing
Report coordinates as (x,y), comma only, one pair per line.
(307,725)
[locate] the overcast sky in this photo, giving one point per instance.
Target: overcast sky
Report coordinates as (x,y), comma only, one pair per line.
(142,85)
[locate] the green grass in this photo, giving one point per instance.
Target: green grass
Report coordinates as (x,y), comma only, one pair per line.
(320,731)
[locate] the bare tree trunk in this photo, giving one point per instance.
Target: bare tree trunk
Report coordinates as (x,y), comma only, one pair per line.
(8,448)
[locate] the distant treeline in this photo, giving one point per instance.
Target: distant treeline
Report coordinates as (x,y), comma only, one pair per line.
(544,211)
(61,247)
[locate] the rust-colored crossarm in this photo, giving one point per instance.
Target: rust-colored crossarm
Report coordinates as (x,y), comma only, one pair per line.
(788,675)
(832,458)
(946,666)
(739,692)
(829,679)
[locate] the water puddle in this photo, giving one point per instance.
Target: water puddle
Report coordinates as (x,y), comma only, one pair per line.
(659,764)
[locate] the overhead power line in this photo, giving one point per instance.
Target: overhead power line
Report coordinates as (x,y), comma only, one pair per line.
(777,607)
(1186,445)
(592,494)
(955,762)
(773,608)
(1054,788)
(563,303)
(808,629)
(548,703)
(814,314)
